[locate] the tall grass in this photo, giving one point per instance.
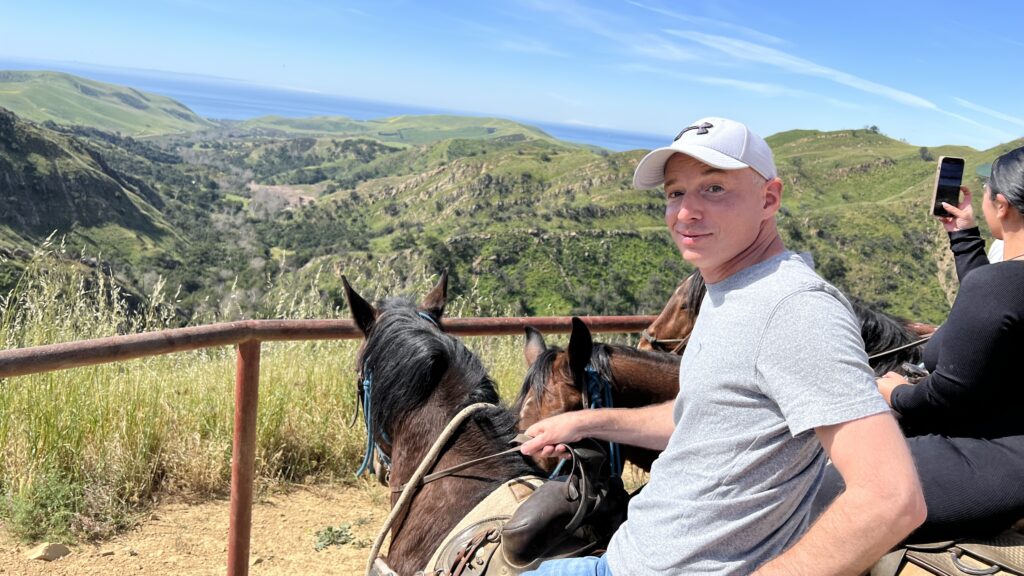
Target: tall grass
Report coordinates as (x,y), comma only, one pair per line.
(83,452)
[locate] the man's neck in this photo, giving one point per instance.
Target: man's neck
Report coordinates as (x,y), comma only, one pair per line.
(766,245)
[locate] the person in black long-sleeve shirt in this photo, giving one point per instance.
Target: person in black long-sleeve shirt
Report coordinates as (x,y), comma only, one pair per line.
(965,420)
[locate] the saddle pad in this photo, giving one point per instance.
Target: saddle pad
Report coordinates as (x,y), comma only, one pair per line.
(503,501)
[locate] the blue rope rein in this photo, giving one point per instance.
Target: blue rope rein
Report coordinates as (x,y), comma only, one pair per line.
(599,393)
(371,445)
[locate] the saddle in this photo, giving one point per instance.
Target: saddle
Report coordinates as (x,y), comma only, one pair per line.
(1001,555)
(567,516)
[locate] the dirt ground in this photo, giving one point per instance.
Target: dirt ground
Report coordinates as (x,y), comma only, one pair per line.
(182,538)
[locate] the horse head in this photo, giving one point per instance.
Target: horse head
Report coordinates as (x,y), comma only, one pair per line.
(671,329)
(555,380)
(365,315)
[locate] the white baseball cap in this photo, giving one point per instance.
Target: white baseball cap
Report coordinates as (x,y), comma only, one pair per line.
(717,142)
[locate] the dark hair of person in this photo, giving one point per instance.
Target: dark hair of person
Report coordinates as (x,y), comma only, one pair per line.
(1008,178)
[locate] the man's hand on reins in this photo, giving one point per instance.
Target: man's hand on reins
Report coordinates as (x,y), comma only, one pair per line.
(550,436)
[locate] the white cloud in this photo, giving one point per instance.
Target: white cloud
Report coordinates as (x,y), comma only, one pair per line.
(761,88)
(529,46)
(711,22)
(593,21)
(993,113)
(749,51)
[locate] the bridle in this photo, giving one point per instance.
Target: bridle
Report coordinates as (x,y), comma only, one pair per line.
(662,344)
(598,394)
(364,382)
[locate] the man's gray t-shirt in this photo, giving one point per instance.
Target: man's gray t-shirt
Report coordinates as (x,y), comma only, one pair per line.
(775,352)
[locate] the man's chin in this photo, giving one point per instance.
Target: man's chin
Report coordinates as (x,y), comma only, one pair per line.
(692,256)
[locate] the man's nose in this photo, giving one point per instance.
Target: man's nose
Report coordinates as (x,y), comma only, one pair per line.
(688,208)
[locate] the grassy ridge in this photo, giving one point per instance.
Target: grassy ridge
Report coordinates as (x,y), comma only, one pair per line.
(67,99)
(408,130)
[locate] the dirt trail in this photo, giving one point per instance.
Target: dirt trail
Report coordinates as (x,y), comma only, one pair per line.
(191,539)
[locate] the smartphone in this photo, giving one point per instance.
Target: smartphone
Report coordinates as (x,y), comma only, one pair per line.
(948,177)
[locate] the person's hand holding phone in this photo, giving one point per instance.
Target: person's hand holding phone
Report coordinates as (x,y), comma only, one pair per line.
(961,216)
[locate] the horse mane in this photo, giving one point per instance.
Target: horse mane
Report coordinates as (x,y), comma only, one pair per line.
(408,356)
(695,293)
(882,332)
(537,377)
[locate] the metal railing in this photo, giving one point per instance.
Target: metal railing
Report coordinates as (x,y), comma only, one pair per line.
(247,335)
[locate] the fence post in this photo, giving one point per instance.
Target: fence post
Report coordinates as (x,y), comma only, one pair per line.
(243,456)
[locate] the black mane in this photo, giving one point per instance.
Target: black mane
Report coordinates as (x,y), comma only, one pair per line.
(540,371)
(881,333)
(409,357)
(695,293)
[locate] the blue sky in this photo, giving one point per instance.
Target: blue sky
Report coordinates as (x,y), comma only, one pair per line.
(929,73)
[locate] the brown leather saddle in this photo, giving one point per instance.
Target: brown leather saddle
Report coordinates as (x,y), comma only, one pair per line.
(1001,555)
(569,516)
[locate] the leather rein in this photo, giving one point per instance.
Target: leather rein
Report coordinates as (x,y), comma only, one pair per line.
(661,344)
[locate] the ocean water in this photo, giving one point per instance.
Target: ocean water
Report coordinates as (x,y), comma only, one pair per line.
(230,100)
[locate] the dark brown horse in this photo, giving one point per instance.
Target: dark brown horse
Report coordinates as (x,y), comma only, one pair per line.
(558,381)
(419,378)
(883,335)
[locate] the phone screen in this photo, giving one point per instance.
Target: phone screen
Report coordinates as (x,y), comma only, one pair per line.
(947,188)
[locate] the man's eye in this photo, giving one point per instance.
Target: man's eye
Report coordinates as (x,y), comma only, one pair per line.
(714,189)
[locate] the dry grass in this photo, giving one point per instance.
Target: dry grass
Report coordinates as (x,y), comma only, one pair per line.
(84,451)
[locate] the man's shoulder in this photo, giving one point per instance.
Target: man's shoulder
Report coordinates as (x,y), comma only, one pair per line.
(794,274)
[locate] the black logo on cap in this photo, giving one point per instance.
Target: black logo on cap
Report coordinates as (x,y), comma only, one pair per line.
(702,129)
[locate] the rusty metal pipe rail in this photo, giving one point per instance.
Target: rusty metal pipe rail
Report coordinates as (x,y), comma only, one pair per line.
(247,335)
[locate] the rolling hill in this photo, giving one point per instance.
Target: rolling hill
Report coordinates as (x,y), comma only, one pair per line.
(526,223)
(66,99)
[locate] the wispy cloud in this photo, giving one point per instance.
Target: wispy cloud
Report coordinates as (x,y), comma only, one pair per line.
(762,88)
(595,22)
(993,113)
(712,23)
(749,51)
(529,46)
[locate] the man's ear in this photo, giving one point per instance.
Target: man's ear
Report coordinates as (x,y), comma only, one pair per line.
(581,346)
(363,313)
(435,300)
(772,195)
(535,345)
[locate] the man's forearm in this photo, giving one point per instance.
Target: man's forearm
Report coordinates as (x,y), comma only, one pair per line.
(646,427)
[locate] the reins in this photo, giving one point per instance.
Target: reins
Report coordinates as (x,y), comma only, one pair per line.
(519,439)
(663,342)
(900,348)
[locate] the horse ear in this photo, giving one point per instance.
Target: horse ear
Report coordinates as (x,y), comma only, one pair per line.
(581,345)
(435,300)
(535,345)
(362,311)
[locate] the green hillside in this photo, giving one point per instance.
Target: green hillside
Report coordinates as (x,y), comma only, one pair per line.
(238,212)
(55,183)
(67,99)
(410,130)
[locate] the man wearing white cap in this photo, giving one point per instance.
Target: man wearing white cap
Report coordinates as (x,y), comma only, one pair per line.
(774,381)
